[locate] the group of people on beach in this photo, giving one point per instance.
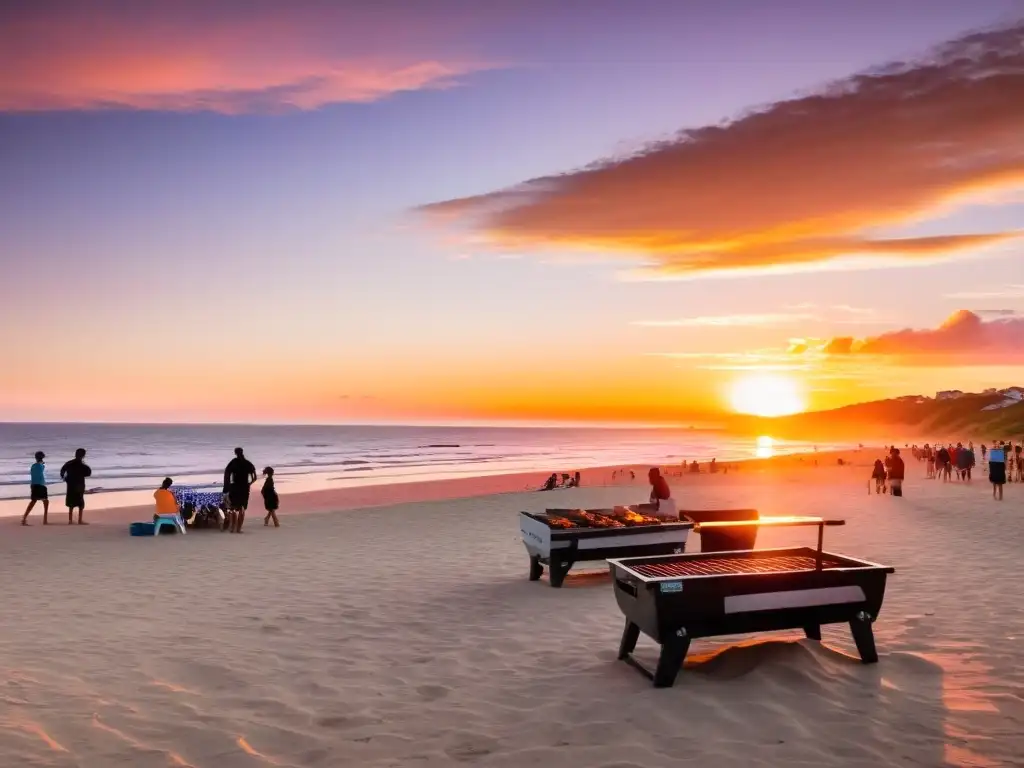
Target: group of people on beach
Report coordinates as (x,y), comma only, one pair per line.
(566,481)
(1005,462)
(73,473)
(239,477)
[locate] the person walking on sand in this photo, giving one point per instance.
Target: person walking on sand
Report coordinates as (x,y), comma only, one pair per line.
(997,470)
(239,475)
(896,470)
(942,459)
(74,473)
(878,475)
(37,489)
(270,500)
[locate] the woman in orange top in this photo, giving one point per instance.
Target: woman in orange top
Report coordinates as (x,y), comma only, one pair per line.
(166,504)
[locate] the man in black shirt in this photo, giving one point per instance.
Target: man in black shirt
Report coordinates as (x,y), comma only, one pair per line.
(74,473)
(239,474)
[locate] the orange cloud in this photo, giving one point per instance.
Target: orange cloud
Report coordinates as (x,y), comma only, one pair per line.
(224,57)
(963,339)
(796,183)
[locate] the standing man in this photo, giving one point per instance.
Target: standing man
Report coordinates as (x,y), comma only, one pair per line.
(37,488)
(239,475)
(74,473)
(896,472)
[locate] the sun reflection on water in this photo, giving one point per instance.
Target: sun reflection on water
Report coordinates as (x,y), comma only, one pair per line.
(765,447)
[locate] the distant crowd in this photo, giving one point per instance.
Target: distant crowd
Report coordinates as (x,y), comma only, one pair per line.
(1004,459)
(239,477)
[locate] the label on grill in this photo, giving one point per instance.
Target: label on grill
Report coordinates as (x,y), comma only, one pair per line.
(671,586)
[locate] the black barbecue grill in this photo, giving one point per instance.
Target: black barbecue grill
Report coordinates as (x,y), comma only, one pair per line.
(676,598)
(732,566)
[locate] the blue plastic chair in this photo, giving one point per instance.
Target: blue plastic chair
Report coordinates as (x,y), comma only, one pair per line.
(175,521)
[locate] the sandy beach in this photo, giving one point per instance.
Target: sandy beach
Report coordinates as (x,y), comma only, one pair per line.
(407,634)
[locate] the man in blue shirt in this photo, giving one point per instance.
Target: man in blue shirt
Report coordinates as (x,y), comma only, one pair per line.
(37,488)
(997,470)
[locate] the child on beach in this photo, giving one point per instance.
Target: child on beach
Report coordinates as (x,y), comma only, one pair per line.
(270,500)
(37,489)
(878,475)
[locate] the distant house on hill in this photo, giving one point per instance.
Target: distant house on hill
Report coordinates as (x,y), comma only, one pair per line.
(950,394)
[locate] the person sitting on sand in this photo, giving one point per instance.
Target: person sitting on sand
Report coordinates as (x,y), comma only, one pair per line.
(551,483)
(661,504)
(166,504)
(270,500)
(878,475)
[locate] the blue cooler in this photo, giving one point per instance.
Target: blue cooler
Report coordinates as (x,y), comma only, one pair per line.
(141,529)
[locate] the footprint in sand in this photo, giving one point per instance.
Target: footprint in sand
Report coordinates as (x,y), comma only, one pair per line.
(470,746)
(341,721)
(432,692)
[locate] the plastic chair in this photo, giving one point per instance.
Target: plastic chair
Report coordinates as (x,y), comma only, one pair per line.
(159,521)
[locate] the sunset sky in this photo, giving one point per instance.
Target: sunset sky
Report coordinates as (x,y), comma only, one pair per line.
(445,210)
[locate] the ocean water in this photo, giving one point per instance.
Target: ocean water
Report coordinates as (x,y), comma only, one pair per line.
(129,461)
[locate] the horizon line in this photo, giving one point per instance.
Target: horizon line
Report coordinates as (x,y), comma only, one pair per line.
(391,424)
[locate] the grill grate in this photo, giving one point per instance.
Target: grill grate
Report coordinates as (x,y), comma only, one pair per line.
(725,566)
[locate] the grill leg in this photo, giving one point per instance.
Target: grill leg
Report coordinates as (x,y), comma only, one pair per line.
(673,651)
(629,637)
(864,637)
(536,569)
(557,571)
(813,632)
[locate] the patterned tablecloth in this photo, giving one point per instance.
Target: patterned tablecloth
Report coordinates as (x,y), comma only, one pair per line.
(198,499)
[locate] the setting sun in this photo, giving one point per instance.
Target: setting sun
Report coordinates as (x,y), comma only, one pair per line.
(766,394)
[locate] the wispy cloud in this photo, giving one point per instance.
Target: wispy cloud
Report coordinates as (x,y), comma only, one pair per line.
(1012,291)
(727,321)
(219,57)
(796,184)
(997,313)
(843,314)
